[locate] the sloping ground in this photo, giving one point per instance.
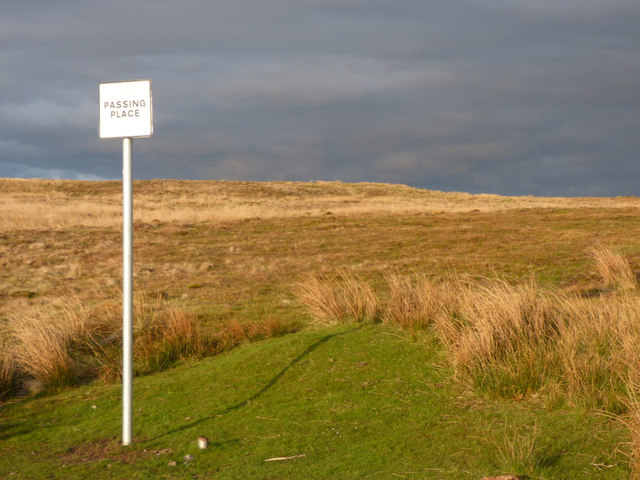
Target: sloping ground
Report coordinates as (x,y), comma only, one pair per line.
(61,204)
(229,250)
(346,402)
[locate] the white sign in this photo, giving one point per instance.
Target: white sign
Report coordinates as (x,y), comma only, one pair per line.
(125,109)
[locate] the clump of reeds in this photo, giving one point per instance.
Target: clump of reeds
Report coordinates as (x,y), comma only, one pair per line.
(504,338)
(632,422)
(8,371)
(41,338)
(339,300)
(614,268)
(518,449)
(58,342)
(233,333)
(515,339)
(631,417)
(164,336)
(413,301)
(591,348)
(499,335)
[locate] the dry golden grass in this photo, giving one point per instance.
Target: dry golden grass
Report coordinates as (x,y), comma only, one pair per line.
(180,331)
(216,262)
(57,341)
(341,300)
(229,253)
(169,335)
(413,302)
(632,421)
(245,269)
(40,339)
(614,268)
(8,371)
(55,205)
(234,333)
(498,334)
(235,267)
(508,339)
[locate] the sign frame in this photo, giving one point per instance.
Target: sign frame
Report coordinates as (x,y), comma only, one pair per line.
(125,109)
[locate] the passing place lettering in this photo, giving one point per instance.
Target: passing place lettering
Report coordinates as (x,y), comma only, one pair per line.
(124,108)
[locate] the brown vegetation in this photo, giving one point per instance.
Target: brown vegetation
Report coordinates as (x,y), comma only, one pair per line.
(614,268)
(514,340)
(61,204)
(60,341)
(232,253)
(507,339)
(345,299)
(216,264)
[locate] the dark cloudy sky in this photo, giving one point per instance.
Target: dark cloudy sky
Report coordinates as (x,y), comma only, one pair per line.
(499,96)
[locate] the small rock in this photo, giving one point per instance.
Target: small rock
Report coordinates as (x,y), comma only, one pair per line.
(93,407)
(172,463)
(187,458)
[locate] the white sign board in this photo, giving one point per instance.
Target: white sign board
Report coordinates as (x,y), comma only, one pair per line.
(125,109)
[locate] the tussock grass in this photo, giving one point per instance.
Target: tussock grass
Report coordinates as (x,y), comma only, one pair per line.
(344,299)
(41,339)
(519,450)
(631,419)
(614,268)
(591,347)
(505,339)
(499,335)
(58,342)
(167,334)
(8,371)
(632,422)
(516,340)
(164,337)
(413,301)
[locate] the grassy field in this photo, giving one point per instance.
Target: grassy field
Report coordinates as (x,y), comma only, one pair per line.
(224,263)
(357,402)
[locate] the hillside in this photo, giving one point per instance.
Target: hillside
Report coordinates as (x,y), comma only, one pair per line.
(364,402)
(226,261)
(235,248)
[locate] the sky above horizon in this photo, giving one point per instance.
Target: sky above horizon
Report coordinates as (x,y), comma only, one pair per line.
(501,96)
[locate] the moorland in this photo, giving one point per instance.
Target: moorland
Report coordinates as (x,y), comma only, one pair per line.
(345,330)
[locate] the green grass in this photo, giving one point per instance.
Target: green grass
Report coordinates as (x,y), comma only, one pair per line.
(358,401)
(366,402)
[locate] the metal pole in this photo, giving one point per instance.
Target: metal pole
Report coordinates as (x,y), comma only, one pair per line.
(127,293)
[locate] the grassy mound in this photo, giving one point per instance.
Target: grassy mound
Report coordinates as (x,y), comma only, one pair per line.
(360,401)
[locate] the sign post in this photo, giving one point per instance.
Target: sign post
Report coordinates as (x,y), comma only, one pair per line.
(125,112)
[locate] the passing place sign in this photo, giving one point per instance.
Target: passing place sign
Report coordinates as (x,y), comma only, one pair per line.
(125,109)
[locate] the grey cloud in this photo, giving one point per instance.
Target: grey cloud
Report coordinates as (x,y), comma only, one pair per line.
(318,80)
(498,96)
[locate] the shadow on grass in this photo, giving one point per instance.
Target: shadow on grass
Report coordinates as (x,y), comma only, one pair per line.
(263,390)
(14,429)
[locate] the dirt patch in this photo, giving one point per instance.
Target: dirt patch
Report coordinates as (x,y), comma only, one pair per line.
(107,449)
